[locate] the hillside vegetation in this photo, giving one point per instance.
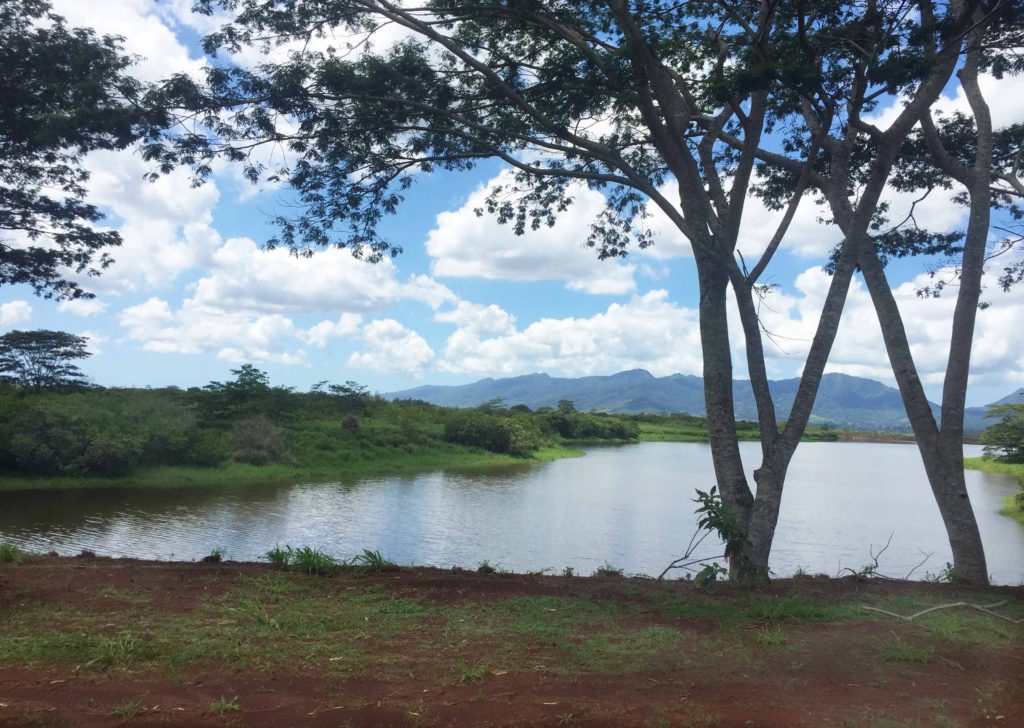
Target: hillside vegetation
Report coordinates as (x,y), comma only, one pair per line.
(246,429)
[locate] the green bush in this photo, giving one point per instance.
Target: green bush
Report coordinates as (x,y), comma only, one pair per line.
(512,435)
(258,441)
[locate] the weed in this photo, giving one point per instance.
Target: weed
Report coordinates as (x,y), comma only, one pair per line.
(896,650)
(119,651)
(372,562)
(127,711)
(606,569)
(486,567)
(947,575)
(472,674)
(568,571)
(280,557)
(257,612)
(10,554)
(771,636)
(216,556)
(222,706)
(567,719)
(313,561)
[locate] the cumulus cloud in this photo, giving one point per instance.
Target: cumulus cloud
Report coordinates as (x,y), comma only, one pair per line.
(243,308)
(809,235)
(464,245)
(859,349)
(234,336)
(391,347)
(13,313)
(82,306)
(649,331)
(146,31)
(320,334)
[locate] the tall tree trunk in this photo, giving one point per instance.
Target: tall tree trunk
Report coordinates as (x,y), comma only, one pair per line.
(944,476)
(718,401)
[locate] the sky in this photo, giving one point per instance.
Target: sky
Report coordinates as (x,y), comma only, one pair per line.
(192,293)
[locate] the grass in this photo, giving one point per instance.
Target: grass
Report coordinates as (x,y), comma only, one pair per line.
(128,710)
(399,627)
(898,650)
(1014,505)
(223,706)
(10,554)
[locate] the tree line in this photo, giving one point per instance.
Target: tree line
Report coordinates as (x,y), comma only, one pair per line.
(688,109)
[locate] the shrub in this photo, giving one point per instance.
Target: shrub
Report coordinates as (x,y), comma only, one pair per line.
(497,433)
(258,441)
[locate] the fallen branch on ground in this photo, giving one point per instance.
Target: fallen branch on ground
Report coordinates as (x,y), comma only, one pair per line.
(986,608)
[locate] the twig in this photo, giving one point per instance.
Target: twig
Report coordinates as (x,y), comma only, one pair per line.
(986,608)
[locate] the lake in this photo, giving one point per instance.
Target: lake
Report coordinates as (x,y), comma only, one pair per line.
(630,506)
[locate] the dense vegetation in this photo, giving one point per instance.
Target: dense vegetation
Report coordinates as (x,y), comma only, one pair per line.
(245,428)
(246,424)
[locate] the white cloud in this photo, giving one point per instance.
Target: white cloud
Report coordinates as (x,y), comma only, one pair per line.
(241,309)
(807,236)
(464,245)
(166,225)
(859,349)
(649,331)
(142,25)
(96,341)
(479,320)
(13,313)
(235,336)
(82,306)
(320,334)
(391,347)
(1005,99)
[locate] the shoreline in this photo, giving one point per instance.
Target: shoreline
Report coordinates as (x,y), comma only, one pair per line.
(231,474)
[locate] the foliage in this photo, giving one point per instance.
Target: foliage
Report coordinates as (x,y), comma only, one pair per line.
(101,432)
(1005,439)
(257,441)
(502,433)
(607,569)
(574,425)
(42,359)
(65,92)
(719,519)
(9,553)
(312,561)
(373,562)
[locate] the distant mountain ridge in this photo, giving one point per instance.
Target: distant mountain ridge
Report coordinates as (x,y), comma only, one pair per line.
(843,401)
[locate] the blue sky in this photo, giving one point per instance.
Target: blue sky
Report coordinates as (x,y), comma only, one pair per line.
(192,293)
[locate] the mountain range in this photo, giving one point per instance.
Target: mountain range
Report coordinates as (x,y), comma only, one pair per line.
(843,401)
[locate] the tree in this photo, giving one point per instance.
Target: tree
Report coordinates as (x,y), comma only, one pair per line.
(64,92)
(1005,439)
(42,359)
(986,165)
(659,105)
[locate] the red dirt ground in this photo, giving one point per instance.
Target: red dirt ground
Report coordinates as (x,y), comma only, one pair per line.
(832,679)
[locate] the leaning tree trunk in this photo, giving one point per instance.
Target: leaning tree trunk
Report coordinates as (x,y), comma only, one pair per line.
(943,466)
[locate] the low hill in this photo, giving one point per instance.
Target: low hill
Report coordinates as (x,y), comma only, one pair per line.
(843,401)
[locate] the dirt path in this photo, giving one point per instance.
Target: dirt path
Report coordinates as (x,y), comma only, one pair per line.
(97,642)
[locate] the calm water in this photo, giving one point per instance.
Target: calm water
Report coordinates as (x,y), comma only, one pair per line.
(631,506)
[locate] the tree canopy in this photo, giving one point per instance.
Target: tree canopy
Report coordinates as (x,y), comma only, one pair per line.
(682,108)
(42,359)
(64,92)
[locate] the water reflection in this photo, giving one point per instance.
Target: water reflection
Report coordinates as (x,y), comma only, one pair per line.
(631,506)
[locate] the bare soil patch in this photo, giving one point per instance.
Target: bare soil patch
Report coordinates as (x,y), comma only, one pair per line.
(98,642)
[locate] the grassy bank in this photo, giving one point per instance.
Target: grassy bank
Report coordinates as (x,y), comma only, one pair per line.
(1014,505)
(247,431)
(95,641)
